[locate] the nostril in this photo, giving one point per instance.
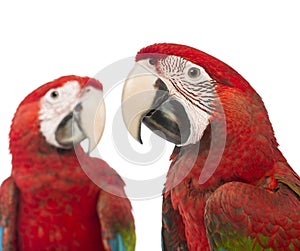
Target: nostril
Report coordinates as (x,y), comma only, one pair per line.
(78,107)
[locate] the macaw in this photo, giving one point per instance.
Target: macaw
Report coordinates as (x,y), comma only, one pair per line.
(228,187)
(49,202)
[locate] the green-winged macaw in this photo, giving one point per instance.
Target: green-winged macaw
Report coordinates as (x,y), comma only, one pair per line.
(49,202)
(228,187)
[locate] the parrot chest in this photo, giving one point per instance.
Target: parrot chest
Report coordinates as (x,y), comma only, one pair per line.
(191,205)
(54,220)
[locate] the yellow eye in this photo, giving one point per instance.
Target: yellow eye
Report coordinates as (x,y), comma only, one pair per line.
(194,72)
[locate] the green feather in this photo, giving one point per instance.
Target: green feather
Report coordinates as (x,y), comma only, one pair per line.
(129,238)
(232,240)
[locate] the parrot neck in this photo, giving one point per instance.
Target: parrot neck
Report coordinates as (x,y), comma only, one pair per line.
(37,165)
(32,147)
(241,147)
(251,149)
(27,144)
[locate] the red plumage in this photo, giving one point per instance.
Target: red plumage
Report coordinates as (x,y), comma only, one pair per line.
(217,69)
(55,205)
(230,206)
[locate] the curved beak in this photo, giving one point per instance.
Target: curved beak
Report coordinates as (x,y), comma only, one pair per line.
(146,98)
(86,121)
(92,116)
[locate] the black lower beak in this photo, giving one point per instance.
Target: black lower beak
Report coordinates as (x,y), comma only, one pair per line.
(69,131)
(169,119)
(146,98)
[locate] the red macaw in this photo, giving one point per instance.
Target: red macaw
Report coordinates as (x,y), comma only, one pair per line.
(48,202)
(229,187)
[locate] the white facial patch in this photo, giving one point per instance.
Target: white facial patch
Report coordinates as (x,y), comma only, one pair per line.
(199,121)
(198,118)
(193,88)
(55,106)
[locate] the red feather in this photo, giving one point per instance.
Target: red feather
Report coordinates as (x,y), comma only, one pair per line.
(59,207)
(250,156)
(217,69)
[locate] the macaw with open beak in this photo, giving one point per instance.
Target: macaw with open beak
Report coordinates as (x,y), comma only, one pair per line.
(228,187)
(49,202)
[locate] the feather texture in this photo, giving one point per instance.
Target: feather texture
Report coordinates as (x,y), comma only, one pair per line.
(173,236)
(236,221)
(250,201)
(49,202)
(9,196)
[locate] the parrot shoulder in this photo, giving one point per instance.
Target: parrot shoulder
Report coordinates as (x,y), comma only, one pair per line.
(284,174)
(113,207)
(9,195)
(117,223)
(248,217)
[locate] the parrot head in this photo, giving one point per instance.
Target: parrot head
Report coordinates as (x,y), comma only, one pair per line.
(179,90)
(61,113)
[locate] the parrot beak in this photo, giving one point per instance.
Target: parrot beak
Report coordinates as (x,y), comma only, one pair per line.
(86,121)
(146,98)
(92,116)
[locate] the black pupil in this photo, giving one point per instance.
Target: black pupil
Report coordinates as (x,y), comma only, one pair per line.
(54,94)
(194,72)
(152,61)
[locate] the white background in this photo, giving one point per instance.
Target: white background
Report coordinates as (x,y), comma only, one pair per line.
(42,40)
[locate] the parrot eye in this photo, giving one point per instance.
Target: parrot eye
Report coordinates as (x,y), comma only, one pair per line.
(194,72)
(53,95)
(152,61)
